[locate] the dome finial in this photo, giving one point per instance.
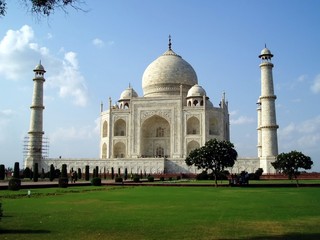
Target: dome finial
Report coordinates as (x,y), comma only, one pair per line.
(169,42)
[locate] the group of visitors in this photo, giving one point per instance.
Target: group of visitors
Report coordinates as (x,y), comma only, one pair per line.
(73,176)
(242,178)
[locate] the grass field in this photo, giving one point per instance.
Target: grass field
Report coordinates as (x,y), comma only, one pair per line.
(161,213)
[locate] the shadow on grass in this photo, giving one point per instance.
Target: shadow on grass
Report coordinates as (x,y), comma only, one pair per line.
(290,236)
(23,231)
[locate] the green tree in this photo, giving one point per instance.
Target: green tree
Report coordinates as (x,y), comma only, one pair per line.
(35,172)
(52,173)
(291,163)
(44,7)
(214,155)
(2,172)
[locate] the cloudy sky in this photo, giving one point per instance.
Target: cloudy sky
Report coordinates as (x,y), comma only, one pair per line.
(95,54)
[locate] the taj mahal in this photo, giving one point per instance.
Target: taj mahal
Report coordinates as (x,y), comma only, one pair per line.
(154,133)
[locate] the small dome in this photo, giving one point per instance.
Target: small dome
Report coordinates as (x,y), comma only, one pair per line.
(209,104)
(128,94)
(196,91)
(166,74)
(39,67)
(265,53)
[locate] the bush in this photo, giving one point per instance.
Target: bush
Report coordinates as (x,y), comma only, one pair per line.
(96,181)
(14,184)
(1,211)
(150,179)
(2,172)
(35,172)
(136,178)
(63,182)
(87,175)
(202,176)
(16,170)
(118,179)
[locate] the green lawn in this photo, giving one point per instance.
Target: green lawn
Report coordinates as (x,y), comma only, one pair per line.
(161,213)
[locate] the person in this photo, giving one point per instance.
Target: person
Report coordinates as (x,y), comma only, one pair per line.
(72,177)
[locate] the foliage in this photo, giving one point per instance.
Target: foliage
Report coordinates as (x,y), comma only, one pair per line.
(14,184)
(112,173)
(79,173)
(1,211)
(16,170)
(136,178)
(96,181)
(125,174)
(63,180)
(43,7)
(118,179)
(258,173)
(2,171)
(51,173)
(35,172)
(214,155)
(150,178)
(87,175)
(291,163)
(64,172)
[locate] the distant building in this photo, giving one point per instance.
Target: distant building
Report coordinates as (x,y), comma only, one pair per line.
(154,133)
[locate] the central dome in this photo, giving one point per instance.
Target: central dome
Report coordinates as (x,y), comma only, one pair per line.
(166,74)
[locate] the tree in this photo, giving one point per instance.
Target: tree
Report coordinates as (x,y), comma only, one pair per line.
(290,164)
(2,172)
(214,155)
(52,173)
(36,172)
(44,7)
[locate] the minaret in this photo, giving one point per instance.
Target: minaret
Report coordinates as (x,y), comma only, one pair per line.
(36,120)
(267,125)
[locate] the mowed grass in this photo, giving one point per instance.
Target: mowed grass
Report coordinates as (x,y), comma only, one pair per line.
(147,212)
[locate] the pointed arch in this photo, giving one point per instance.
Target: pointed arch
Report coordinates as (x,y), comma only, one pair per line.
(192,146)
(120,128)
(119,150)
(193,126)
(155,137)
(105,129)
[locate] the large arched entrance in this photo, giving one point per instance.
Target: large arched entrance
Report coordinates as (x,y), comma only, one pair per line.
(155,137)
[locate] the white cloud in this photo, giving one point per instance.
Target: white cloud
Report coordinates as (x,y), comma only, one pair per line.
(242,120)
(19,53)
(74,133)
(304,135)
(98,42)
(315,88)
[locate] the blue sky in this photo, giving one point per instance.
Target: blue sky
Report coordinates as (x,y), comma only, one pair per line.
(91,56)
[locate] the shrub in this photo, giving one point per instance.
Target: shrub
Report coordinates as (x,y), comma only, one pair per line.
(51,174)
(202,176)
(136,178)
(1,211)
(2,172)
(79,173)
(112,173)
(87,175)
(118,179)
(16,170)
(150,178)
(63,182)
(96,181)
(35,174)
(14,184)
